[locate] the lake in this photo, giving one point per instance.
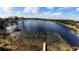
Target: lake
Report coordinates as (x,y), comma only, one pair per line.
(49,26)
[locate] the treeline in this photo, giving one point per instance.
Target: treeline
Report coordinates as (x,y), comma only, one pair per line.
(69,22)
(13,20)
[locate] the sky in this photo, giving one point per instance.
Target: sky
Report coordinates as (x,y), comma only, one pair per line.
(41,12)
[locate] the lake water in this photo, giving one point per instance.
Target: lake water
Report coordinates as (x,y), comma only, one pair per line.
(44,26)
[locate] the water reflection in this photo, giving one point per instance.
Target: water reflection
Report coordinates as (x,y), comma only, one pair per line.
(44,26)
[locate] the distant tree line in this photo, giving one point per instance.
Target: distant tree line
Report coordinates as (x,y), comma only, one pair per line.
(13,20)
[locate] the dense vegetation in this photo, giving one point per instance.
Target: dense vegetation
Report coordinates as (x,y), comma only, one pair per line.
(12,20)
(28,42)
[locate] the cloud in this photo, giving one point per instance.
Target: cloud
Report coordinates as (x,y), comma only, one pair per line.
(5,15)
(35,12)
(49,8)
(7,9)
(32,10)
(77,9)
(51,15)
(62,8)
(56,13)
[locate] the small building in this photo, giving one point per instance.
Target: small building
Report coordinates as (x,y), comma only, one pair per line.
(11,28)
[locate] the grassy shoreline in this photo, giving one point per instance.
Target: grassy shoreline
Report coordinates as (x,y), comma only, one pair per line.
(21,43)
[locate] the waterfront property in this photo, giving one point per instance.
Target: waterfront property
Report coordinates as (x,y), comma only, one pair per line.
(11,28)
